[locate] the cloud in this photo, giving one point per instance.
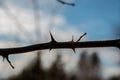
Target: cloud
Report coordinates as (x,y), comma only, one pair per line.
(111,71)
(57,24)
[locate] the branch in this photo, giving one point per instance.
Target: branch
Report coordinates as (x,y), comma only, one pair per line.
(66,3)
(60,45)
(53,44)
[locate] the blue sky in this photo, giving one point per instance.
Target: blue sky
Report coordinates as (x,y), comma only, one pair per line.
(96,17)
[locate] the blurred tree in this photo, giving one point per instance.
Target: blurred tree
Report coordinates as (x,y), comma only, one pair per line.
(115,78)
(89,67)
(56,72)
(33,71)
(82,66)
(95,67)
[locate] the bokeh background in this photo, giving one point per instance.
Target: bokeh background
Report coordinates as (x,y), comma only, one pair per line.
(27,22)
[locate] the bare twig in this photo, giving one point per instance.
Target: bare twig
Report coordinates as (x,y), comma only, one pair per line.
(6,56)
(66,3)
(81,37)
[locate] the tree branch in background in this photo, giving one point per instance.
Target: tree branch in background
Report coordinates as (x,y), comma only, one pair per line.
(66,3)
(17,22)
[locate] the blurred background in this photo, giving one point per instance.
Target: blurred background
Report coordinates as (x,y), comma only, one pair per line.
(27,22)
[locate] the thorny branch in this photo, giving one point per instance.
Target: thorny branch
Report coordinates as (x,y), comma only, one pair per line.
(53,44)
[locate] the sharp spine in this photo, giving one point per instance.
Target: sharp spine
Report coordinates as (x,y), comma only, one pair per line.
(81,37)
(52,39)
(72,39)
(6,56)
(9,62)
(74,50)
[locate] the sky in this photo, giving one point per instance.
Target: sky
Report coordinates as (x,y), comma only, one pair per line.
(95,17)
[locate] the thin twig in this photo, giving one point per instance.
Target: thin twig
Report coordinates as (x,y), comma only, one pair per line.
(66,3)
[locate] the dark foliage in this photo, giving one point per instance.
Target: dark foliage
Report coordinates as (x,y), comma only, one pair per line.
(88,69)
(115,78)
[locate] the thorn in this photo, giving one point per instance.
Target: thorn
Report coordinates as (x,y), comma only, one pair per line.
(52,39)
(9,62)
(50,49)
(81,37)
(52,42)
(7,58)
(72,38)
(74,50)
